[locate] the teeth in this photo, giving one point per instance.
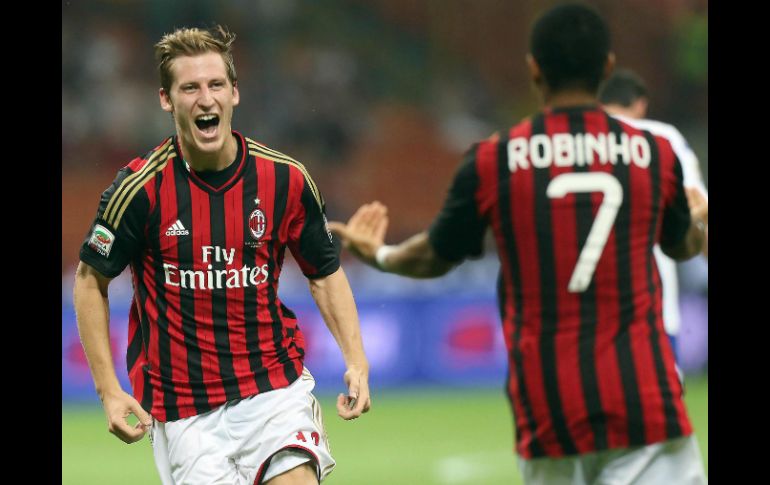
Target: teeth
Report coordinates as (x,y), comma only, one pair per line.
(207,117)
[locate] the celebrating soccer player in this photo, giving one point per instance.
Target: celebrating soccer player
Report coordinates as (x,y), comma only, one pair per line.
(214,358)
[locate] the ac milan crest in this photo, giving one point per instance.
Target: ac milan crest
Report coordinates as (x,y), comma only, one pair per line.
(257,223)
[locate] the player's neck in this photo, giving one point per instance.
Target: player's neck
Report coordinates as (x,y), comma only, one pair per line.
(569,98)
(618,110)
(204,162)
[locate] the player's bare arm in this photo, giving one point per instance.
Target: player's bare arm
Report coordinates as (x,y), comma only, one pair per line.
(364,236)
(335,301)
(699,208)
(694,241)
(92,309)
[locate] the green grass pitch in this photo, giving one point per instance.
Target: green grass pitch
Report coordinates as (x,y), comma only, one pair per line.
(444,437)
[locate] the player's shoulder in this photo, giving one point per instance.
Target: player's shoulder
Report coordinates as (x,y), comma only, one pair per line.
(479,151)
(486,151)
(523,127)
(154,158)
(132,188)
(505,133)
(655,127)
(668,139)
(264,152)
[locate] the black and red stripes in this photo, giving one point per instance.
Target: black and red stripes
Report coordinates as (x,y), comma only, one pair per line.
(208,325)
(590,369)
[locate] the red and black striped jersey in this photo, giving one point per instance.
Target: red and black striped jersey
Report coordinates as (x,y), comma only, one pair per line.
(576,201)
(206,324)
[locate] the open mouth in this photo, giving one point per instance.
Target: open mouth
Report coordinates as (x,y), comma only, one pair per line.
(207,123)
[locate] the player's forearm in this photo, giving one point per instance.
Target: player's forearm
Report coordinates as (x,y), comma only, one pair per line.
(334,299)
(414,257)
(691,245)
(92,310)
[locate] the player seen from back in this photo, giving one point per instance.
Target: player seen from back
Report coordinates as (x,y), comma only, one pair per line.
(576,200)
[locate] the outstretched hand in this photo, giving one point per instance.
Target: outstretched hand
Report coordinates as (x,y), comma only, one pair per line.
(117,406)
(365,231)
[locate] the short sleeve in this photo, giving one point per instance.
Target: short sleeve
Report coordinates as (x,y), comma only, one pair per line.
(117,233)
(458,230)
(676,215)
(310,241)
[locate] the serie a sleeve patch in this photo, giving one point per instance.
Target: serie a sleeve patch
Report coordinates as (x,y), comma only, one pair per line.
(101,240)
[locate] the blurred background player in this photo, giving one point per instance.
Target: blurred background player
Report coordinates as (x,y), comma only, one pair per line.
(575,199)
(625,96)
(214,357)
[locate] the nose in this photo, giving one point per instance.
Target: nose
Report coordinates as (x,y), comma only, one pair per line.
(206,99)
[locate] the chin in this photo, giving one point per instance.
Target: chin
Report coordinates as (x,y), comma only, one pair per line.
(210,146)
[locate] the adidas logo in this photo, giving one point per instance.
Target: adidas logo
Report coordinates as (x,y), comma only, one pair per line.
(177,229)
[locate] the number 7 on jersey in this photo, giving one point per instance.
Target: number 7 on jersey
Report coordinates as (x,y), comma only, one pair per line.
(608,185)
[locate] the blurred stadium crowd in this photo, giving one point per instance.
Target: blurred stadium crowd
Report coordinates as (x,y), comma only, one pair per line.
(378,98)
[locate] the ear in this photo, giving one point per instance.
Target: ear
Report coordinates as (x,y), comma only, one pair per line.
(609,65)
(534,70)
(165,101)
(236,94)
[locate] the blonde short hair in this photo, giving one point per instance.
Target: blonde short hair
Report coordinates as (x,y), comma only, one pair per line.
(191,42)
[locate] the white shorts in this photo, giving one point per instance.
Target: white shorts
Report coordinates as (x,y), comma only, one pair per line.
(246,441)
(676,461)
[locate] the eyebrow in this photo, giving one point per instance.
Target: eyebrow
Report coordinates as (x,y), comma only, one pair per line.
(193,83)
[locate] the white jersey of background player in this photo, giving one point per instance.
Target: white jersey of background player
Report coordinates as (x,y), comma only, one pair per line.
(624,96)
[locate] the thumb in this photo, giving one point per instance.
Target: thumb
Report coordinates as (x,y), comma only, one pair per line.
(339,229)
(143,416)
(353,389)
